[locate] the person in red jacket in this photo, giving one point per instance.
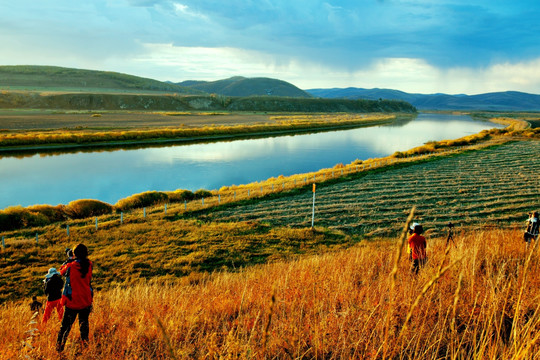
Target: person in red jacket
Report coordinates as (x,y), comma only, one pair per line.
(417,244)
(77,296)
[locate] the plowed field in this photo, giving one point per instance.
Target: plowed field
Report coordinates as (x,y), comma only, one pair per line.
(495,186)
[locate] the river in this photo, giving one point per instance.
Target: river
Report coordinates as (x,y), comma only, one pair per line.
(112,175)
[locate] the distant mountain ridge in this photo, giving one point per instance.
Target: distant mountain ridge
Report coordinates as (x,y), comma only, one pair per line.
(496,101)
(242,86)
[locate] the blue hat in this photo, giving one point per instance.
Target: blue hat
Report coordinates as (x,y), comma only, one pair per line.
(52,271)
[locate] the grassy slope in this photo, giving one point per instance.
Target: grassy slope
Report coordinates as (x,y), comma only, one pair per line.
(462,305)
(67,79)
(318,311)
(375,204)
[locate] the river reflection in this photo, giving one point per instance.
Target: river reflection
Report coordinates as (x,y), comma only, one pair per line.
(112,175)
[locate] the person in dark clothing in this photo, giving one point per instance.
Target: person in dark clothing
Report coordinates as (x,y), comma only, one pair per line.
(53,285)
(533,228)
(77,295)
(35,305)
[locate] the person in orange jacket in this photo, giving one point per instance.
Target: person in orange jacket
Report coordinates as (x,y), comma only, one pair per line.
(417,245)
(77,296)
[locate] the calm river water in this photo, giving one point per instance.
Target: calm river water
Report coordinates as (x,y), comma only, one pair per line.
(111,175)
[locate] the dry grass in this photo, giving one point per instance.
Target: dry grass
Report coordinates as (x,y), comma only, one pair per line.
(477,300)
(85,136)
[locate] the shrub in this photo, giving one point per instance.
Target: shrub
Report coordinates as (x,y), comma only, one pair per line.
(202,193)
(52,213)
(84,208)
(17,217)
(180,195)
(148,198)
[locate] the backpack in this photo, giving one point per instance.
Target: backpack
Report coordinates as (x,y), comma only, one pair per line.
(533,226)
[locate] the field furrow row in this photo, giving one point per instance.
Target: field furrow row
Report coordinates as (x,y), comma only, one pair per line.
(496,185)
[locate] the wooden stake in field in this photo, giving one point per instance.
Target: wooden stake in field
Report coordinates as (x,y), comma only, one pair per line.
(313,211)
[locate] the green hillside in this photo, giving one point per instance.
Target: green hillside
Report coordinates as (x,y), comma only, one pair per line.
(172,102)
(53,78)
(241,86)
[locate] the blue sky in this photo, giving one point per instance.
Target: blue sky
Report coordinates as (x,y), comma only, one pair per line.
(450,46)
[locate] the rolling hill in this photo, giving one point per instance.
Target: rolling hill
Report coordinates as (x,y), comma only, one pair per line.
(241,86)
(497,101)
(50,78)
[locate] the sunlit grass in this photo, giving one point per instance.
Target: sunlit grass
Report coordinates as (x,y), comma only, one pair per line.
(479,299)
(285,123)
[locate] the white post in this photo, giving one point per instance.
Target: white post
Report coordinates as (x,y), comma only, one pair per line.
(219,198)
(234,194)
(185,204)
(202,201)
(165,209)
(272,187)
(37,238)
(121,218)
(144,212)
(67,229)
(313,177)
(248,192)
(96,223)
(295,182)
(341,171)
(305,180)
(313,211)
(261,189)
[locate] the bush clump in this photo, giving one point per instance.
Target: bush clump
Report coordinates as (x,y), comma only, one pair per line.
(16,217)
(52,213)
(84,208)
(144,199)
(202,193)
(180,195)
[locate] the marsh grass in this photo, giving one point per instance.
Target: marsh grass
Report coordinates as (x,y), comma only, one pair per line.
(479,299)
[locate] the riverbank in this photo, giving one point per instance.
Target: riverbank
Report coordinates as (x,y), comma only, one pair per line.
(191,129)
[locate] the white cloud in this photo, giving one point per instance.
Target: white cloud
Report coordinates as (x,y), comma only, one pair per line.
(182,9)
(176,63)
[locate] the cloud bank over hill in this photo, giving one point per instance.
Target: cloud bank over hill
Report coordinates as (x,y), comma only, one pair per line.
(451,46)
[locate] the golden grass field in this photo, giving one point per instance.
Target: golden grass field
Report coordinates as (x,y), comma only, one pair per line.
(477,299)
(250,279)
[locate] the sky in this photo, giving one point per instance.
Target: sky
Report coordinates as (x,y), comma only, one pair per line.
(417,46)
